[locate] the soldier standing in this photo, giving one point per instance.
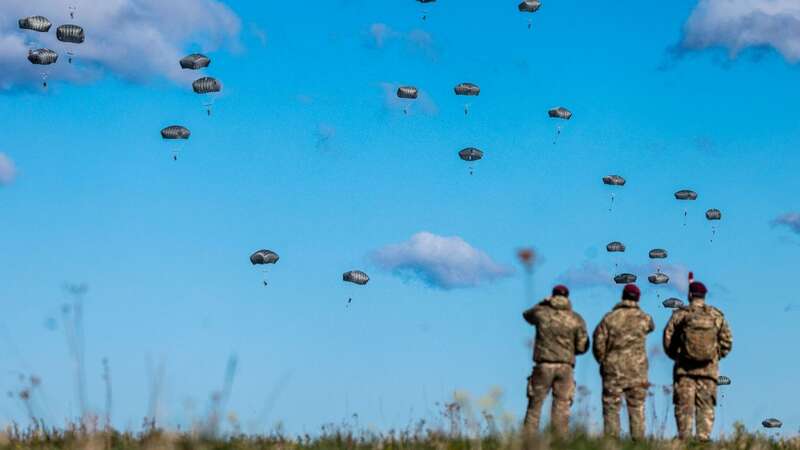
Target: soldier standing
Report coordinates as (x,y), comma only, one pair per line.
(619,346)
(696,338)
(560,335)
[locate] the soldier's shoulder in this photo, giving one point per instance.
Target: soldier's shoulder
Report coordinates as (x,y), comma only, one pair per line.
(716,311)
(577,316)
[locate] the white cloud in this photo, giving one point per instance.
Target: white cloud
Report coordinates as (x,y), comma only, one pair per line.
(440,261)
(137,40)
(416,41)
(790,220)
(7,170)
(737,25)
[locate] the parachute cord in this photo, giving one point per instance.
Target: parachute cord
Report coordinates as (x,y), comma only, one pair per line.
(558,133)
(685,213)
(530,23)
(722,416)
(611,208)
(713,233)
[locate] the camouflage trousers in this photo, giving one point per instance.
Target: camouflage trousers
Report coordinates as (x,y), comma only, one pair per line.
(547,376)
(694,399)
(634,402)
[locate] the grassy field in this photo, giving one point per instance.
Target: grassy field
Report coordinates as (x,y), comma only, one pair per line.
(79,438)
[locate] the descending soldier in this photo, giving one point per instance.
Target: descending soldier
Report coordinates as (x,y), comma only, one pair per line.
(696,338)
(560,335)
(619,346)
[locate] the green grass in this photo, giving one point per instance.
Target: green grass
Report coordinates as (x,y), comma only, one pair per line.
(79,438)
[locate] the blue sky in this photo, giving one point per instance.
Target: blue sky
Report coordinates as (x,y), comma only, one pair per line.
(306,155)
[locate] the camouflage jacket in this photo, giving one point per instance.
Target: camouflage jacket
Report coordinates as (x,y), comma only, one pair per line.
(673,344)
(620,345)
(560,332)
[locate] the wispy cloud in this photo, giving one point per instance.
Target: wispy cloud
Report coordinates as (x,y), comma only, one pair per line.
(8,172)
(416,41)
(790,220)
(737,25)
(259,34)
(445,262)
(137,40)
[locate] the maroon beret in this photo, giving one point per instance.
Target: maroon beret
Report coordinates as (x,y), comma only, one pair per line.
(561,290)
(697,289)
(631,292)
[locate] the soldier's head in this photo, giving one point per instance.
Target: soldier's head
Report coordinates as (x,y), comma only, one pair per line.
(697,291)
(560,291)
(631,292)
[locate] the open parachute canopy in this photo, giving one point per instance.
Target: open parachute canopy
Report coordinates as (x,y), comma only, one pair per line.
(409,92)
(560,113)
(615,247)
(206,85)
(469,89)
(529,6)
(264,257)
(175,132)
(625,278)
(686,194)
(658,278)
(714,214)
(772,423)
(195,61)
(35,23)
(42,56)
(356,277)
(70,33)
(471,154)
(657,253)
(614,180)
(673,303)
(426,1)
(723,381)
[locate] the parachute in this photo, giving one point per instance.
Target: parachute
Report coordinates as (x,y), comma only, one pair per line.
(772,423)
(615,246)
(356,276)
(559,113)
(72,34)
(529,6)
(207,87)
(178,134)
(35,23)
(43,57)
(686,194)
(467,89)
(407,93)
(470,155)
(195,61)
(613,180)
(625,278)
(263,257)
(673,303)
(658,253)
(658,278)
(713,215)
(723,381)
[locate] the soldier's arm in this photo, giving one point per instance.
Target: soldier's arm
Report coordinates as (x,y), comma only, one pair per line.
(669,332)
(725,339)
(581,337)
(530,316)
(599,339)
(651,326)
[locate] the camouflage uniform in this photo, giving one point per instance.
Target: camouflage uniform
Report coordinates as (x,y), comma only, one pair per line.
(695,384)
(560,335)
(620,349)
